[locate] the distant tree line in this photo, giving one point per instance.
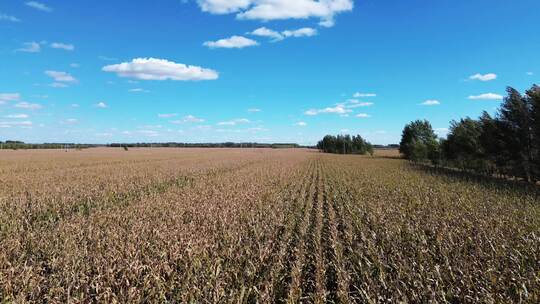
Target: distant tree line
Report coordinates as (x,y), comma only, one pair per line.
(205,145)
(16,145)
(507,144)
(345,144)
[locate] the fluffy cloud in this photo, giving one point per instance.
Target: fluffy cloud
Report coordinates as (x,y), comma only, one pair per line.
(9,18)
(485,77)
(234,42)
(138,90)
(29,106)
(277,36)
(300,124)
(63,46)
(9,124)
(441,131)
(61,76)
(18,116)
(266,32)
(338,109)
(431,102)
(5,97)
(30,47)
(266,10)
(234,122)
(160,69)
(362,115)
(355,103)
(58,85)
(223,6)
(101,105)
(39,6)
(303,32)
(360,95)
(486,96)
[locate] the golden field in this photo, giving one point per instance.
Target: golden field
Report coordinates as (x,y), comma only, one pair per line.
(259,225)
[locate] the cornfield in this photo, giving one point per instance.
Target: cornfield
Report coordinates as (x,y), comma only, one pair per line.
(261,225)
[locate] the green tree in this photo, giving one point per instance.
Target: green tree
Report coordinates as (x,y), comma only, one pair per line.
(419,142)
(533,96)
(463,146)
(345,144)
(516,129)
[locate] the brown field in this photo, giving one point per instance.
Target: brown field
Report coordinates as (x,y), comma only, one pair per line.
(261,225)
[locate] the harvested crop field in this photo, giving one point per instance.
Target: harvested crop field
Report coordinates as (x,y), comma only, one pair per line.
(259,225)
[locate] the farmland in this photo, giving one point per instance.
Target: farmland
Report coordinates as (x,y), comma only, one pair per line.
(247,225)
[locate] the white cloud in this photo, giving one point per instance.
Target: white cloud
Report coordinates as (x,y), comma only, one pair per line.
(234,42)
(29,106)
(138,90)
(9,124)
(223,6)
(431,102)
(30,47)
(338,109)
(266,10)
(303,32)
(355,103)
(530,73)
(75,65)
(101,105)
(233,122)
(63,46)
(188,119)
(360,95)
(39,6)
(61,76)
(9,18)
(18,116)
(301,124)
(277,36)
(170,115)
(486,96)
(70,121)
(266,32)
(441,131)
(5,97)
(299,9)
(254,110)
(485,77)
(58,85)
(160,69)
(362,115)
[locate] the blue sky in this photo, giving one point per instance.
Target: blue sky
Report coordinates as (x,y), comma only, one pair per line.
(256,70)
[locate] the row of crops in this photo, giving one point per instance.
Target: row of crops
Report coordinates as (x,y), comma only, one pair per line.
(265,225)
